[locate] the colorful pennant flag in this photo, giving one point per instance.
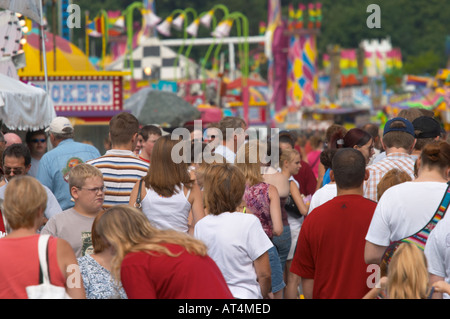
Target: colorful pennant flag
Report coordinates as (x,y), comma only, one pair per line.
(91,29)
(299,16)
(116,23)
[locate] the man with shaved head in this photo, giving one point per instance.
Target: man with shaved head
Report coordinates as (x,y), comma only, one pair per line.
(12,138)
(334,234)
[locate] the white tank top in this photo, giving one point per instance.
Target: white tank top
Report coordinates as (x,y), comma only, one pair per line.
(167,212)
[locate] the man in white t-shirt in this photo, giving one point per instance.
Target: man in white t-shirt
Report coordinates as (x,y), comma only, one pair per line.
(403,210)
(323,195)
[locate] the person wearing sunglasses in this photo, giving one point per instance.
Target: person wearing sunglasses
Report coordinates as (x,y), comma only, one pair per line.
(37,143)
(16,161)
(75,224)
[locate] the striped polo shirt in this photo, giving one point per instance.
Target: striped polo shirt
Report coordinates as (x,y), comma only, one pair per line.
(402,161)
(121,170)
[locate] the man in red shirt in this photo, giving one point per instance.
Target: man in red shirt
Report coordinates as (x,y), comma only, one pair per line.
(330,249)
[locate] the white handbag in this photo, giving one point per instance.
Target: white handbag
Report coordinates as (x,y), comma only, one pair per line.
(45,290)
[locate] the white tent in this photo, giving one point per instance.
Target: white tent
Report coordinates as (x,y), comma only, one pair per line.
(23,106)
(161,59)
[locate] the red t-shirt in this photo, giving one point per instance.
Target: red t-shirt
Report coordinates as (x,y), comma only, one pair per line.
(159,276)
(330,248)
(19,265)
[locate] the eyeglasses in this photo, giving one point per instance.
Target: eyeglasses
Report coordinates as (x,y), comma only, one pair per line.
(36,140)
(95,189)
(15,170)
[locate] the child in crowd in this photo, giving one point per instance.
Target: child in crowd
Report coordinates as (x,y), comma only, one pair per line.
(75,224)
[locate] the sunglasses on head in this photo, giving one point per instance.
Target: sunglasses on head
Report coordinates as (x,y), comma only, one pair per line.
(35,140)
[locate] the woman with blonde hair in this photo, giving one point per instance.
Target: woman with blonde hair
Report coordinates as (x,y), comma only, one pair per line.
(408,262)
(23,207)
(158,264)
(262,200)
(290,165)
(407,276)
(168,193)
(236,241)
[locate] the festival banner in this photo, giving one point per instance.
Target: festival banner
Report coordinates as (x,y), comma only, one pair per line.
(302,68)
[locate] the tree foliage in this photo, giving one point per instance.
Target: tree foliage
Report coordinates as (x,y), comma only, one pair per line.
(418,27)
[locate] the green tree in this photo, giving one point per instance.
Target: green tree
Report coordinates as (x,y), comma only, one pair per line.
(417,27)
(425,63)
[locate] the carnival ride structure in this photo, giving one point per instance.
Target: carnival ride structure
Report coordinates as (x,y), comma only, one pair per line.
(298,90)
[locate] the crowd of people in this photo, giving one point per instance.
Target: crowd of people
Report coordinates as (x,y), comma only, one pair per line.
(224,215)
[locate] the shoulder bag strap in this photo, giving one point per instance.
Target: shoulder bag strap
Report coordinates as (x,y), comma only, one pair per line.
(43,259)
(138,198)
(441,210)
(445,201)
(421,236)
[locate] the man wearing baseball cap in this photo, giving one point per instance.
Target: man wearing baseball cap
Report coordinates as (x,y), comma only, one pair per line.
(398,141)
(426,129)
(55,165)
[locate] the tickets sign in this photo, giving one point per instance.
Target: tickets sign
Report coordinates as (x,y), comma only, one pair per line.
(83,95)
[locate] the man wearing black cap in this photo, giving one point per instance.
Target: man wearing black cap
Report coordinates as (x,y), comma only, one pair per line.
(398,141)
(426,129)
